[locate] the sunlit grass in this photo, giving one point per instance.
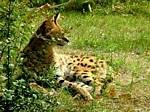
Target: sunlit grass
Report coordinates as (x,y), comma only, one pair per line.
(122,39)
(108,33)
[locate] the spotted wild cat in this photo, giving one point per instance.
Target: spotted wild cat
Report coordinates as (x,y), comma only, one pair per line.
(87,75)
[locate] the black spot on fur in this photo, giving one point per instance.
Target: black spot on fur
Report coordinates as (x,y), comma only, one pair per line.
(67,78)
(101,61)
(74,67)
(92,67)
(61,81)
(82,64)
(85,70)
(74,77)
(75,56)
(69,63)
(103,81)
(70,85)
(84,73)
(85,76)
(89,66)
(93,71)
(85,65)
(87,57)
(88,82)
(78,59)
(97,65)
(109,80)
(91,60)
(77,71)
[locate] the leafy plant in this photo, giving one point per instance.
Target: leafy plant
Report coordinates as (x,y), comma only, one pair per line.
(15,93)
(22,98)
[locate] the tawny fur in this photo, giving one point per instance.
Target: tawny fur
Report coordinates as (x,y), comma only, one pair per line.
(85,74)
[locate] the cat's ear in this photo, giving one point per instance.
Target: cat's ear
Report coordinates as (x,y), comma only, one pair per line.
(56,17)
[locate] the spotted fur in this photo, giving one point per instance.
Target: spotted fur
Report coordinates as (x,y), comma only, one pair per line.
(84,74)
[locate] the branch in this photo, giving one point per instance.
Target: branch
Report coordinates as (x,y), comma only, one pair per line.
(48,6)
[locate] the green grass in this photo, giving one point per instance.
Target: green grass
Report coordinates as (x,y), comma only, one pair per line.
(121,38)
(109,33)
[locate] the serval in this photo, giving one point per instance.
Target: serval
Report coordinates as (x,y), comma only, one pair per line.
(83,74)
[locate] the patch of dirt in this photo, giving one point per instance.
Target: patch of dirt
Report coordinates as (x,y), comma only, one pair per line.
(134,83)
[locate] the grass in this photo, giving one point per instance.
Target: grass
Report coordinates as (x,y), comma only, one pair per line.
(108,33)
(122,39)
(132,87)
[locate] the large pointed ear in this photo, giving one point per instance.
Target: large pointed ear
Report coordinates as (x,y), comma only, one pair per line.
(56,17)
